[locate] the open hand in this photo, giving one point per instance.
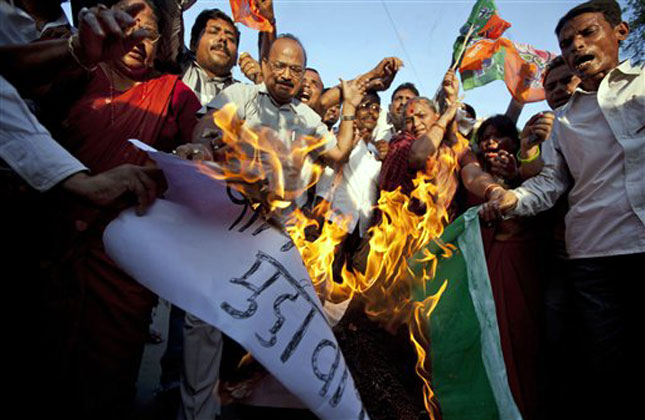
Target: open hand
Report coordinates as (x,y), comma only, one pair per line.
(104,34)
(353,91)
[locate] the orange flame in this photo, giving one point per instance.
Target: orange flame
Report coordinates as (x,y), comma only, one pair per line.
(264,168)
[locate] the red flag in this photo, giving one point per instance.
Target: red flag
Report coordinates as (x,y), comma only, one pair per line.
(246,12)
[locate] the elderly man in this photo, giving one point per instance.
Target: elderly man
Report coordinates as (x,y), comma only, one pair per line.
(273,105)
(597,150)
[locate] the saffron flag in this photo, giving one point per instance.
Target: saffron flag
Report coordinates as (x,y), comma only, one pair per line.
(468,372)
(246,12)
(520,66)
(483,22)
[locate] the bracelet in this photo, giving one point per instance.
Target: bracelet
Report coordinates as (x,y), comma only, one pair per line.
(348,117)
(530,159)
(70,48)
(490,188)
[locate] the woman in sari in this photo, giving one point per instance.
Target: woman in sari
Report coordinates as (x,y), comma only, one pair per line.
(109,312)
(513,256)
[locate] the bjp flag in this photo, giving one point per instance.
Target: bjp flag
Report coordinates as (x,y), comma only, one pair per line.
(246,12)
(520,66)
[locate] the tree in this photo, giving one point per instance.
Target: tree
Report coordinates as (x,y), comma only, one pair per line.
(634,46)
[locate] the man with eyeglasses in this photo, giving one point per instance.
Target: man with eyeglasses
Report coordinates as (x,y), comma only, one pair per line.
(352,187)
(273,104)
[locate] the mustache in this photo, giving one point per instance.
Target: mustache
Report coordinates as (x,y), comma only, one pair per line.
(285,82)
(221,47)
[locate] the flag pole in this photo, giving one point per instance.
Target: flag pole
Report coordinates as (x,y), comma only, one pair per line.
(463,47)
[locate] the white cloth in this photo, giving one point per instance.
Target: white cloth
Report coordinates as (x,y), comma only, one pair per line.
(27,146)
(384,130)
(357,191)
(292,123)
(599,139)
(205,87)
(17,27)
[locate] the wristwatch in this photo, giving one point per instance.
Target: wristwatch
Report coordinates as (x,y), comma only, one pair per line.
(348,117)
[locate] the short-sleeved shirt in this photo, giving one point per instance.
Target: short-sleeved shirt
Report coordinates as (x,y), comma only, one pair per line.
(292,124)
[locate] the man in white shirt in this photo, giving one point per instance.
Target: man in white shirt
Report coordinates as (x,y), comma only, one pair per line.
(598,149)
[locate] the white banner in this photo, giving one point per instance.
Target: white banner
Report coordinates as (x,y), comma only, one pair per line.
(238,273)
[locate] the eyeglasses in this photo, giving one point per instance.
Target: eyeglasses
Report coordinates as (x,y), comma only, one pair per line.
(370,106)
(280,67)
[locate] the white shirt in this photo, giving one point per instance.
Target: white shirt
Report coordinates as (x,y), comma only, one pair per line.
(291,124)
(27,147)
(598,146)
(357,190)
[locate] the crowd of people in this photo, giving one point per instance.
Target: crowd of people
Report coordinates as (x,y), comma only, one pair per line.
(562,200)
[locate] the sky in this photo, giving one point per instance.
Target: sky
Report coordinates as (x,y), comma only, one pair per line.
(345,38)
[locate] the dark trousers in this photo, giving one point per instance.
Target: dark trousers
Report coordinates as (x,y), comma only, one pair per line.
(608,308)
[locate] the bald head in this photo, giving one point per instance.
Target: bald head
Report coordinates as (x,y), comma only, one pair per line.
(284,68)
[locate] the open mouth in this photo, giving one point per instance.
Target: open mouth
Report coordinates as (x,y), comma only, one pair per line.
(583,60)
(305,96)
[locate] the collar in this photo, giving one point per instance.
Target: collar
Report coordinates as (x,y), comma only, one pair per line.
(293,105)
(228,79)
(626,68)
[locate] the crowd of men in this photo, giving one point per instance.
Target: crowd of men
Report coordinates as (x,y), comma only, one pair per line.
(585,158)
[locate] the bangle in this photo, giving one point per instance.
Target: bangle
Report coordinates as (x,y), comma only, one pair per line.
(438,125)
(70,48)
(348,117)
(530,159)
(490,188)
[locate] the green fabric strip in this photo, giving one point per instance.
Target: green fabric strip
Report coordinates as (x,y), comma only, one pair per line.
(468,372)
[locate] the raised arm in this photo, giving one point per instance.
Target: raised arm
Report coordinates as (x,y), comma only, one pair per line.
(353,92)
(265,39)
(379,78)
(102,35)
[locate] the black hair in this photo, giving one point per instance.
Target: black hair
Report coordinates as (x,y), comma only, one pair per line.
(372,93)
(293,38)
(504,125)
(406,86)
(199,26)
(553,64)
(470,110)
(609,9)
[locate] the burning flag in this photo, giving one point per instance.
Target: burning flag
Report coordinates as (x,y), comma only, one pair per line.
(483,22)
(468,371)
(520,65)
(246,12)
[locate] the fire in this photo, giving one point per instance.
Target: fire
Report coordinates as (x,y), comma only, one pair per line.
(265,170)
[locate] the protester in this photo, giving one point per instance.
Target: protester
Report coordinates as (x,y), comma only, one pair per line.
(352,187)
(213,44)
(331,116)
(514,259)
(123,99)
(596,141)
